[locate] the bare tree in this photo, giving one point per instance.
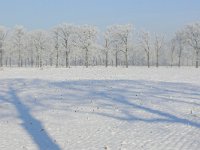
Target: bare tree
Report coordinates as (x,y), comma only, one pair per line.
(172,50)
(66,32)
(106,51)
(158,45)
(18,37)
(146,43)
(180,43)
(116,48)
(56,44)
(107,46)
(39,39)
(80,47)
(31,50)
(121,34)
(86,36)
(3,34)
(192,34)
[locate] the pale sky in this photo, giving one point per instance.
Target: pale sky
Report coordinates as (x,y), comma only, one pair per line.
(164,16)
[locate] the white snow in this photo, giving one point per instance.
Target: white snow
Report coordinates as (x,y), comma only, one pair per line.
(100,108)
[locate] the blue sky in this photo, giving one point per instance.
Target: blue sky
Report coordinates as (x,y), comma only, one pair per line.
(154,15)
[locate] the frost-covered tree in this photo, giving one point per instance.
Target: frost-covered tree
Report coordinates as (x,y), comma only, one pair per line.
(116,49)
(145,42)
(121,34)
(109,43)
(86,37)
(31,51)
(192,35)
(39,40)
(180,45)
(66,33)
(3,34)
(56,43)
(172,51)
(106,48)
(68,44)
(18,39)
(159,40)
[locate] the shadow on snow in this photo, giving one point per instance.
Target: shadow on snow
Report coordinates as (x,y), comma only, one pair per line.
(31,125)
(124,93)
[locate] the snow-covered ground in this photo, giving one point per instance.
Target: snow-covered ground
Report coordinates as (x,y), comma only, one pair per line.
(100,108)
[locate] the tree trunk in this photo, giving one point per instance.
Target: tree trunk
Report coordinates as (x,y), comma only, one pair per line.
(40,62)
(171,61)
(106,59)
(116,59)
(67,59)
(126,55)
(51,61)
(148,60)
(10,61)
(197,59)
(57,56)
(197,64)
(100,61)
(75,61)
(1,63)
(21,65)
(6,61)
(32,62)
(157,63)
(19,59)
(25,62)
(179,61)
(37,61)
(28,62)
(86,58)
(179,57)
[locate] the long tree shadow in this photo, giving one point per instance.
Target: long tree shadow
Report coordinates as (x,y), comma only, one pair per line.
(151,92)
(120,96)
(122,93)
(32,126)
(166,117)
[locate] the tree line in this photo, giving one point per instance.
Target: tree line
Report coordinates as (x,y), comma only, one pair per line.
(85,45)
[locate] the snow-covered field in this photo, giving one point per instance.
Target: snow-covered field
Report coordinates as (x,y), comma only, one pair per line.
(100,108)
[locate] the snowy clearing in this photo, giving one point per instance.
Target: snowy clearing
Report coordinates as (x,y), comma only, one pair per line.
(100,108)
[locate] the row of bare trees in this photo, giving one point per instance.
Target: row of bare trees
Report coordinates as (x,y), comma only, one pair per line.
(186,41)
(77,45)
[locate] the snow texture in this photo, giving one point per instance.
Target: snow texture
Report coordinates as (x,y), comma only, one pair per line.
(98,108)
